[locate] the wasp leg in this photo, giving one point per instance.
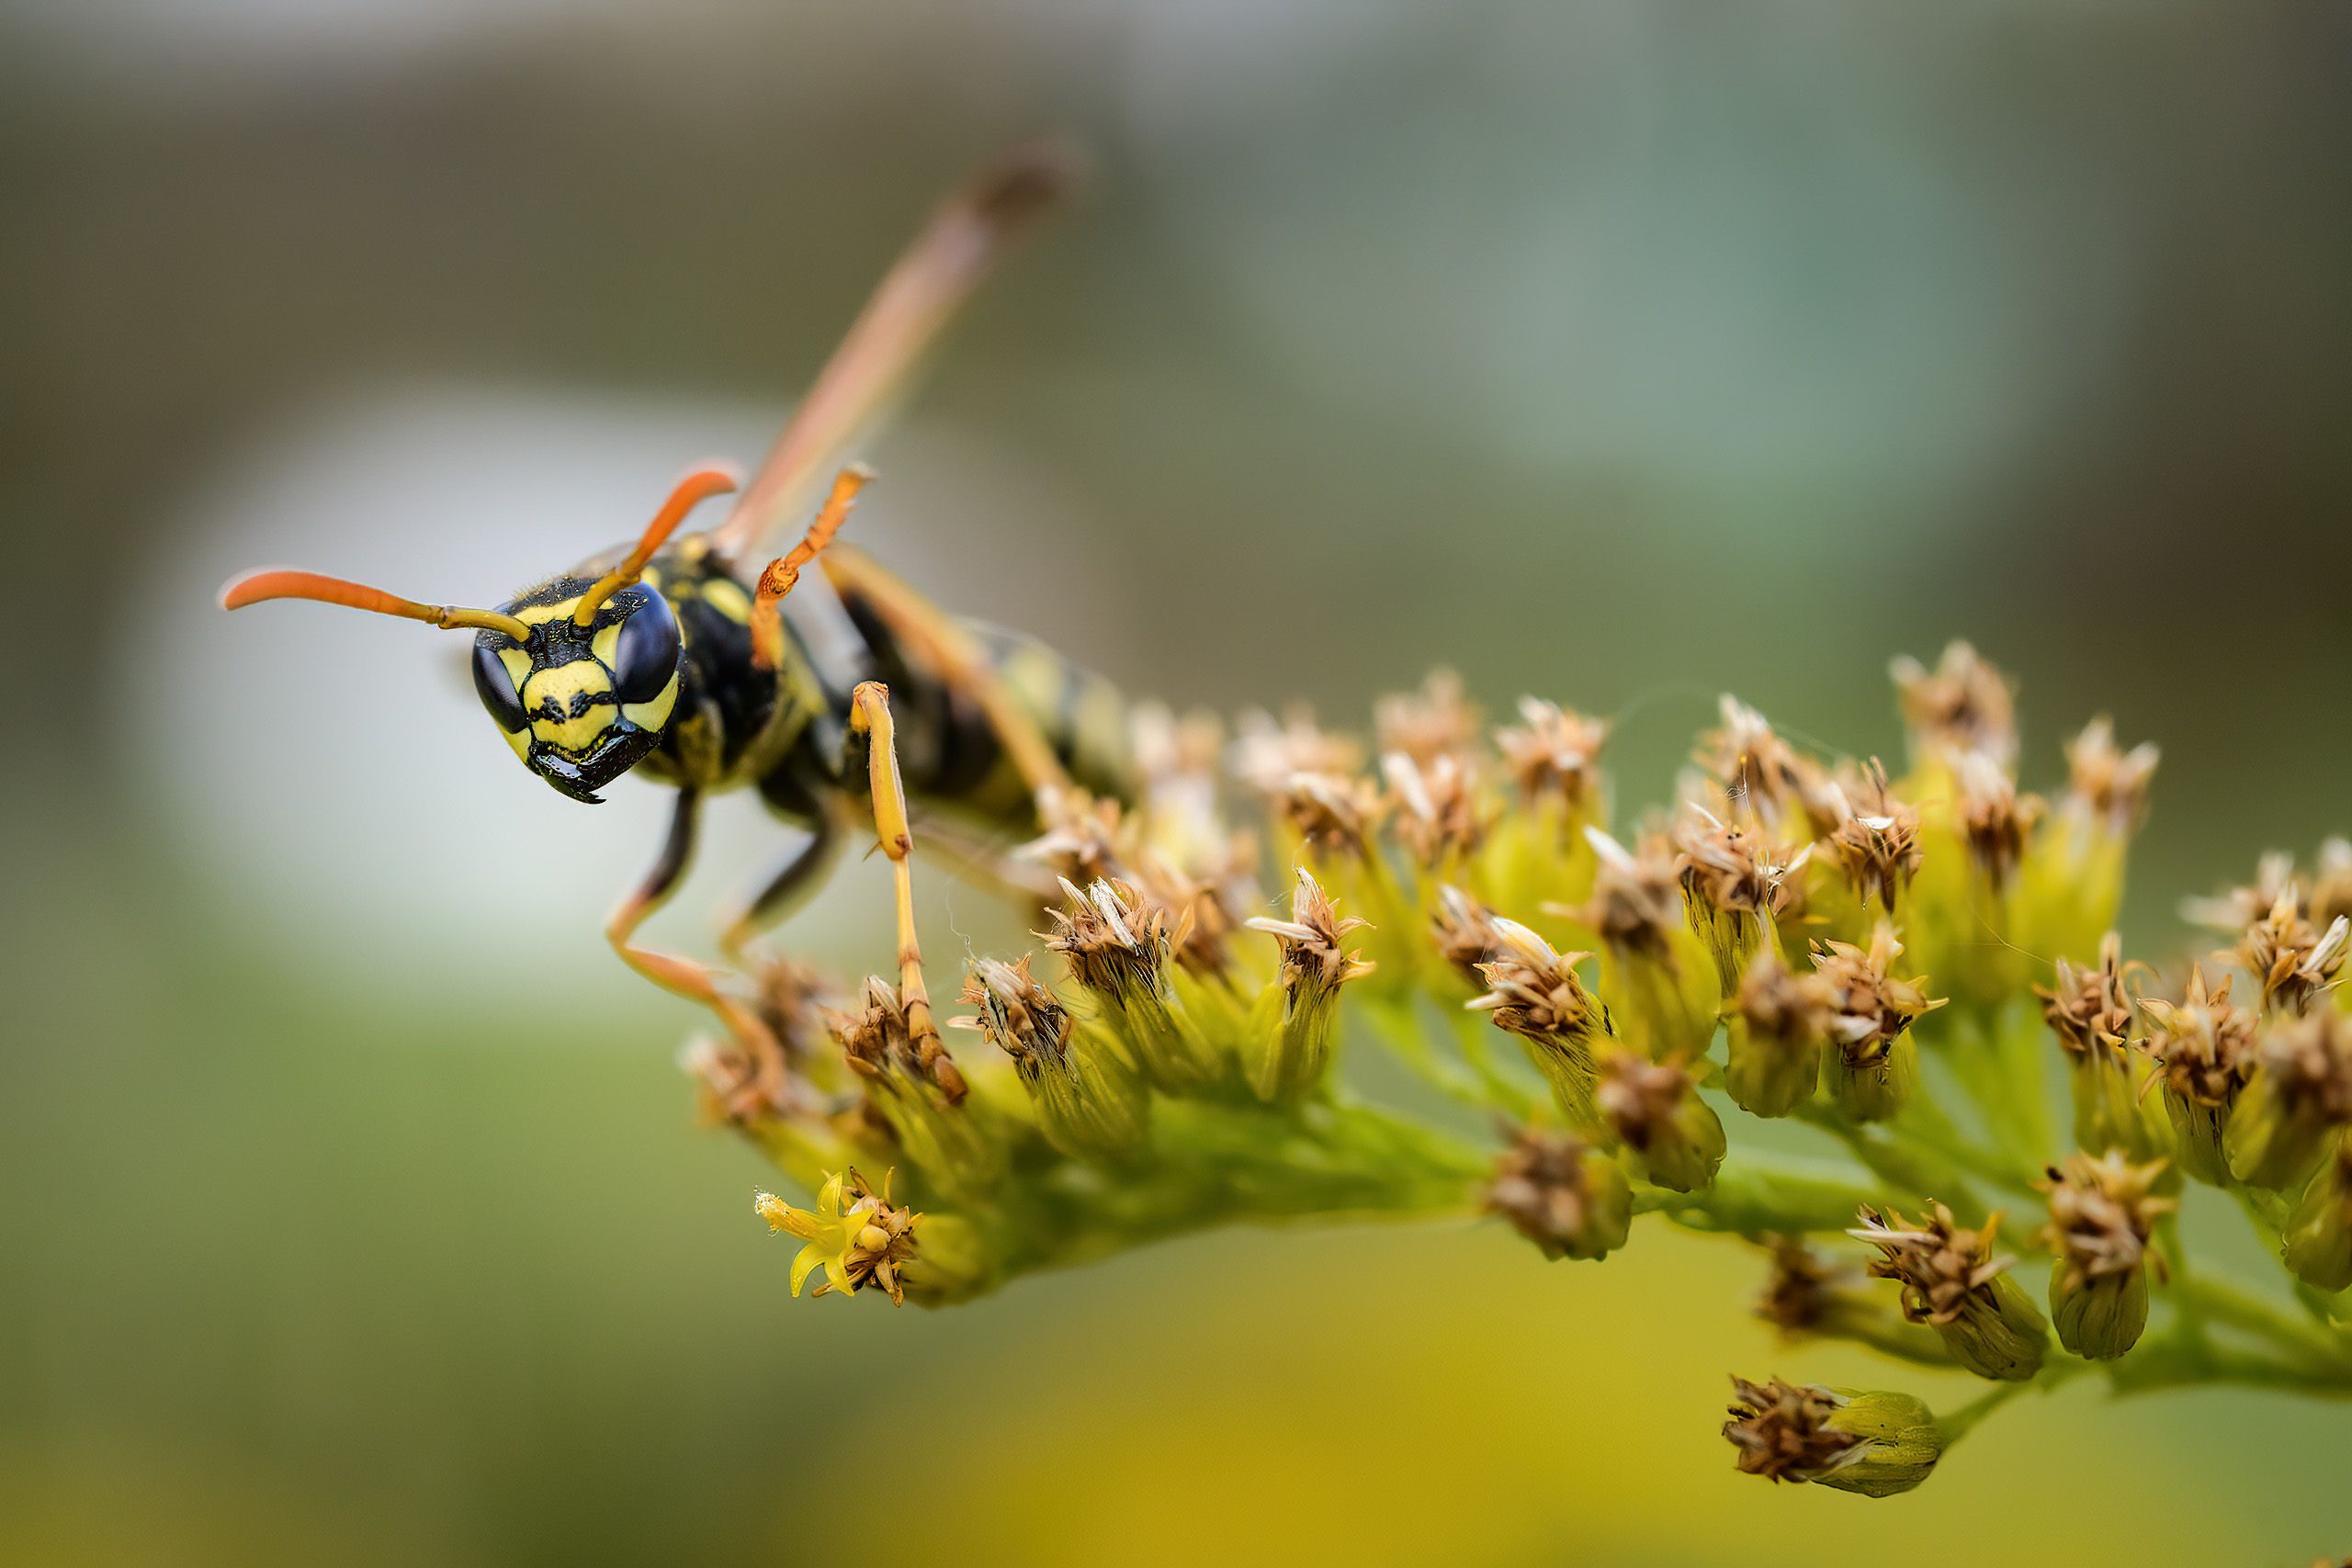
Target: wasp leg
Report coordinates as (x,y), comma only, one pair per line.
(959,661)
(679,975)
(791,882)
(869,715)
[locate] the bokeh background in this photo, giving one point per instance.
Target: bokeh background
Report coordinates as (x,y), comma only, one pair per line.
(1620,353)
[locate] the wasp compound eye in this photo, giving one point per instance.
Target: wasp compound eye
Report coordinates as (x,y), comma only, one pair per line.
(496,689)
(646,655)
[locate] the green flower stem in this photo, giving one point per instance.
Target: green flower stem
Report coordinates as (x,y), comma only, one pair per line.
(2225,1302)
(1759,1194)
(1907,1167)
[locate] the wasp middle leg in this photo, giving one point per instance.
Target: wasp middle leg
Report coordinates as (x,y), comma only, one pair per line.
(870,717)
(679,975)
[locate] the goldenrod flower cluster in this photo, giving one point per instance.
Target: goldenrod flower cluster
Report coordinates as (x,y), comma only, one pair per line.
(1912,970)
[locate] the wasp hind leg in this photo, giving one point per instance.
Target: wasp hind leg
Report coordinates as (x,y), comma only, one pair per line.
(679,975)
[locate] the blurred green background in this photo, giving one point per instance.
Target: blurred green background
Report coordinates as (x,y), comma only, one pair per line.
(1620,353)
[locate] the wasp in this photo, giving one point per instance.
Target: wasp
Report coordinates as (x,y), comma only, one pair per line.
(670,657)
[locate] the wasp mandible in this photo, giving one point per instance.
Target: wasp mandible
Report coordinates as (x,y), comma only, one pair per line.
(666,656)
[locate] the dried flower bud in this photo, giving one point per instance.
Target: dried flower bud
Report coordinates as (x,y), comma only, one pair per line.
(2101,1213)
(1435,807)
(1090,1103)
(1806,1297)
(1298,1052)
(1265,755)
(1762,776)
(1872,1063)
(1082,837)
(2087,1012)
(1732,887)
(1436,721)
(1331,813)
(1995,819)
(1878,842)
(1952,1283)
(1117,942)
(1964,705)
(1777,1025)
(2331,898)
(2294,963)
(1636,896)
(2203,1048)
(2298,1097)
(2233,909)
(1561,1193)
(1553,753)
(2318,1232)
(920,1102)
(1463,930)
(1200,906)
(1533,993)
(1654,1109)
(852,1234)
(2105,786)
(1876,1444)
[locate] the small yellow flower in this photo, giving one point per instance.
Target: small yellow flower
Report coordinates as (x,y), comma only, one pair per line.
(863,1242)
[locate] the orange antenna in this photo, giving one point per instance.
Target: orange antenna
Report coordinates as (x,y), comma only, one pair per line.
(257,586)
(697,487)
(784,573)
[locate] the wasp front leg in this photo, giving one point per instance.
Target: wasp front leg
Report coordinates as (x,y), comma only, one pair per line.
(679,975)
(869,717)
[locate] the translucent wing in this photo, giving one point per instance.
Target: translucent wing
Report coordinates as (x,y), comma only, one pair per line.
(915,301)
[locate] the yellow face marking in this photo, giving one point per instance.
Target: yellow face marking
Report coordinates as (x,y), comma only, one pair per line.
(581,677)
(520,739)
(655,713)
(605,644)
(518,665)
(729,599)
(539,614)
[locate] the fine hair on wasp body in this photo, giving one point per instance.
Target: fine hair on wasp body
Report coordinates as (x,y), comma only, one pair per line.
(672,656)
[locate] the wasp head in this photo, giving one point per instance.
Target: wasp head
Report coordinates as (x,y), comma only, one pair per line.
(581,705)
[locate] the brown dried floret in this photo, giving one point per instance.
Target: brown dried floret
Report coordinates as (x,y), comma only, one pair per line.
(2309,1063)
(2087,1008)
(1637,893)
(1995,818)
(1331,813)
(1201,906)
(1532,990)
(1114,937)
(2102,1213)
(1084,838)
(1562,1194)
(1436,721)
(1266,754)
(2202,1045)
(1435,805)
(2233,909)
(1962,705)
(1762,774)
(1729,871)
(1869,1005)
(876,1037)
(1017,1015)
(1313,958)
(1796,1294)
(1877,840)
(1553,751)
(2330,897)
(2107,784)
(2294,963)
(1782,1430)
(1465,932)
